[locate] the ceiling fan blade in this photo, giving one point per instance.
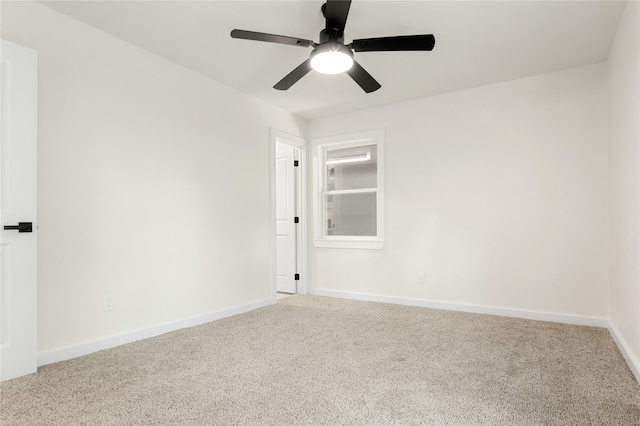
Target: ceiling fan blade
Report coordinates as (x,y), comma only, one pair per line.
(363,78)
(295,75)
(336,12)
(413,42)
(271,38)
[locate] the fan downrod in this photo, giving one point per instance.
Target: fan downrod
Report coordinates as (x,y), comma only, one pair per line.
(330,34)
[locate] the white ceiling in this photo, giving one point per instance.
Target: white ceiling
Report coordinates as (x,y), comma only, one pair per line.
(477,43)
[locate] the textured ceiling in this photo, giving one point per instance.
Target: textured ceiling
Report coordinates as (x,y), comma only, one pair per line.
(477,43)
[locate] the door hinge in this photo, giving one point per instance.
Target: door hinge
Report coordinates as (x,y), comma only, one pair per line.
(296,277)
(296,163)
(296,219)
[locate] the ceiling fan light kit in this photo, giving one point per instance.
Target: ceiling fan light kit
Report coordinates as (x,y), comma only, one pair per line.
(331,55)
(331,58)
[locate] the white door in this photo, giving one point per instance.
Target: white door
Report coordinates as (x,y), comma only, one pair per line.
(285,218)
(18,172)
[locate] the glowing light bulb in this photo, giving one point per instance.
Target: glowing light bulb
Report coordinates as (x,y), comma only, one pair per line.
(331,58)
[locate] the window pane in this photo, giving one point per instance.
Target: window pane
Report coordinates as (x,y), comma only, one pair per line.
(352,168)
(351,214)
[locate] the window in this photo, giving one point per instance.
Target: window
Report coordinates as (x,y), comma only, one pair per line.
(350,196)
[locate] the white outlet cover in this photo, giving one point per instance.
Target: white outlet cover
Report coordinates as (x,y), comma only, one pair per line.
(108,303)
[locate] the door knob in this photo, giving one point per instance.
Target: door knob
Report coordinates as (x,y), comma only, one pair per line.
(21,227)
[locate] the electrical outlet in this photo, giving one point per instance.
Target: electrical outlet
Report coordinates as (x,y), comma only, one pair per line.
(421,278)
(108,303)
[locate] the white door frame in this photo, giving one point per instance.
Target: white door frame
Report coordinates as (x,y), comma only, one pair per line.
(276,135)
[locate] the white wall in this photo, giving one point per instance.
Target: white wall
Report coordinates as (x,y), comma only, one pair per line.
(624,175)
(153,184)
(499,194)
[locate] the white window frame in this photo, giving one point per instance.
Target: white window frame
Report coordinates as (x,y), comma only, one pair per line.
(374,137)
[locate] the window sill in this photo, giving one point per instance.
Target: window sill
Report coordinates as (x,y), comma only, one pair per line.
(350,244)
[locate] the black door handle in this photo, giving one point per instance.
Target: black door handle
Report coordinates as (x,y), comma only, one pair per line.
(21,227)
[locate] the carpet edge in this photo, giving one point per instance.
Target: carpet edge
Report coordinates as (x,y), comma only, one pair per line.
(74,351)
(627,354)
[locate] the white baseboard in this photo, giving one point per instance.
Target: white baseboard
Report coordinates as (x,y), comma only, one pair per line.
(86,348)
(476,309)
(74,351)
(632,361)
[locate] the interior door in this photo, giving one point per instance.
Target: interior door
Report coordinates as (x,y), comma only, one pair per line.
(285,218)
(18,179)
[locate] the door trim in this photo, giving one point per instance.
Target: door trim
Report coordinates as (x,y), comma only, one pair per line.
(276,135)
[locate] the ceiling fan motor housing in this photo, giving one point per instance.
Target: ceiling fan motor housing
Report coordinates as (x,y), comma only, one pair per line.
(331,35)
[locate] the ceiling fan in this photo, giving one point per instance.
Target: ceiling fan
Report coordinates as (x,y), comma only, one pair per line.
(331,55)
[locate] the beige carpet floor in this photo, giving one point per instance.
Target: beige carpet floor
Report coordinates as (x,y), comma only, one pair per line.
(311,360)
